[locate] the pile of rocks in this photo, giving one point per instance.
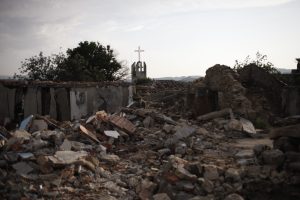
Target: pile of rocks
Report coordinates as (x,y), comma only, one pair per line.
(287,141)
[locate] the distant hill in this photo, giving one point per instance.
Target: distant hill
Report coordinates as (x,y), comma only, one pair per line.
(179,78)
(284,70)
(4,77)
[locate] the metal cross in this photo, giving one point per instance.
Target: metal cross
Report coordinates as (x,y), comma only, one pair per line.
(139,52)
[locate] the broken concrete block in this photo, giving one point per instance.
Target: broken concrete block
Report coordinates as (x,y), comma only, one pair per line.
(110,158)
(180,148)
(168,128)
(210,172)
(161,196)
(273,157)
(66,145)
(181,132)
(22,168)
(67,157)
(38,125)
(148,122)
(146,189)
(235,125)
(248,126)
(113,134)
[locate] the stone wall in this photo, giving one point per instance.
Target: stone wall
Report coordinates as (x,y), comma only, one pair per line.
(291,100)
(62,101)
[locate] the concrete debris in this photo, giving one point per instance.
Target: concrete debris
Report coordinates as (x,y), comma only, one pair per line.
(66,157)
(122,123)
(161,151)
(22,168)
(38,125)
(222,113)
(113,134)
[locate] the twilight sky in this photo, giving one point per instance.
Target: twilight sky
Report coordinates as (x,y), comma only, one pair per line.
(180,37)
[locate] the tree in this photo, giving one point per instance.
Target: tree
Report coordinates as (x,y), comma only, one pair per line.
(40,67)
(260,61)
(90,61)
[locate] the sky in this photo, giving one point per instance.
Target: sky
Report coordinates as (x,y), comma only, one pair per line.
(180,37)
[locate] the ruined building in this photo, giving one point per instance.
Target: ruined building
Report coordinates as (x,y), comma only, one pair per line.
(138,69)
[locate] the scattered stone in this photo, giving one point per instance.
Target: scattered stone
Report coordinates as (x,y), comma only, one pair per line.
(210,172)
(161,196)
(273,157)
(234,196)
(22,168)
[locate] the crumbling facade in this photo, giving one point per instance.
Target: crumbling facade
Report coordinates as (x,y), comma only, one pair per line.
(62,101)
(138,71)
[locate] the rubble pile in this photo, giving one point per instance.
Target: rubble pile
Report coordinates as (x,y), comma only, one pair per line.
(152,150)
(137,154)
(287,147)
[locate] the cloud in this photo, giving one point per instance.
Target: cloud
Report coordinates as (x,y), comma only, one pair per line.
(135,28)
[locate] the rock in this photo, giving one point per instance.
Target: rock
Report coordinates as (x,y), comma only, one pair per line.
(207,185)
(180,148)
(185,186)
(285,144)
(286,131)
(273,157)
(202,131)
(294,166)
(44,164)
(235,125)
(247,126)
(21,134)
(22,168)
(232,175)
(146,189)
(36,144)
(148,122)
(181,132)
(259,148)
(113,134)
(161,196)
(164,151)
(182,173)
(66,157)
(111,186)
(38,125)
(210,172)
(168,128)
(110,158)
(234,196)
(244,154)
(66,145)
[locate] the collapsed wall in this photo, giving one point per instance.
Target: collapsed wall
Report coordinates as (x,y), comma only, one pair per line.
(231,93)
(62,101)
